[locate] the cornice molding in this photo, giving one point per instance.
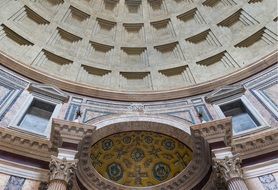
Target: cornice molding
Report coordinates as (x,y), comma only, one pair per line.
(86,90)
(215,131)
(260,169)
(69,131)
(23,170)
(224,92)
(26,144)
(48,90)
(256,144)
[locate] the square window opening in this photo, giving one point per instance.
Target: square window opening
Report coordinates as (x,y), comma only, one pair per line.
(242,118)
(37,116)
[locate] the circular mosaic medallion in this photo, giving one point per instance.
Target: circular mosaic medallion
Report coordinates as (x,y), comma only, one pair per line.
(107,144)
(137,154)
(127,139)
(115,171)
(161,171)
(169,144)
(148,139)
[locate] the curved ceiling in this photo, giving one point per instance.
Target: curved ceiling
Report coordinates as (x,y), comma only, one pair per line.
(139,158)
(127,46)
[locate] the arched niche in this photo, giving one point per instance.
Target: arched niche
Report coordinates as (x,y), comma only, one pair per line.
(193,176)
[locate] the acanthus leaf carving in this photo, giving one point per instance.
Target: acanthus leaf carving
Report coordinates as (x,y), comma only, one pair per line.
(62,169)
(228,168)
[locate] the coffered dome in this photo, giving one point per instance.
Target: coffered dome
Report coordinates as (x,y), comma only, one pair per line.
(137,47)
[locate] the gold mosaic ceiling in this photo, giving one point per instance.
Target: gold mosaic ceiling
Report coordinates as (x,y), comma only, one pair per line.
(139,158)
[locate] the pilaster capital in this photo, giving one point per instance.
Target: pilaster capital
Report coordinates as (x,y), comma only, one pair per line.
(62,169)
(229,167)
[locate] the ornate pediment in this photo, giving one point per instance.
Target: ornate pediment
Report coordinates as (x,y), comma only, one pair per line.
(48,90)
(224,92)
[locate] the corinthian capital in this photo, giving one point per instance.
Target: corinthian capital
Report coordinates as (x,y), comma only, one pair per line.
(228,168)
(62,169)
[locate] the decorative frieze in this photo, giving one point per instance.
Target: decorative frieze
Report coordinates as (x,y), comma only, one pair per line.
(136,107)
(72,131)
(265,141)
(26,144)
(215,131)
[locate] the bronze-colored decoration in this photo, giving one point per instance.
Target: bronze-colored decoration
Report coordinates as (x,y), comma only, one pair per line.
(78,113)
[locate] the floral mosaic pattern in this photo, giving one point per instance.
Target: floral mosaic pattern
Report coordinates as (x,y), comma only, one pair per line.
(139,158)
(269,182)
(15,183)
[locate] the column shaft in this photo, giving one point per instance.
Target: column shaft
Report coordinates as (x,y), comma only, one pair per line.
(61,173)
(57,185)
(236,184)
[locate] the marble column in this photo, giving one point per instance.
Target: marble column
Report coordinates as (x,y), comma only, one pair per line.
(229,169)
(61,173)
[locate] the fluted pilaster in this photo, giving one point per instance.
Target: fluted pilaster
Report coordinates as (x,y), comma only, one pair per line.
(61,173)
(230,170)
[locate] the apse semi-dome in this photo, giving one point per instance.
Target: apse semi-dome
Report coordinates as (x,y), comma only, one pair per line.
(110,47)
(139,158)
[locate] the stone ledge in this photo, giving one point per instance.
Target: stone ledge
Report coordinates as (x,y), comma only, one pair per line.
(214,131)
(256,144)
(66,85)
(26,144)
(69,131)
